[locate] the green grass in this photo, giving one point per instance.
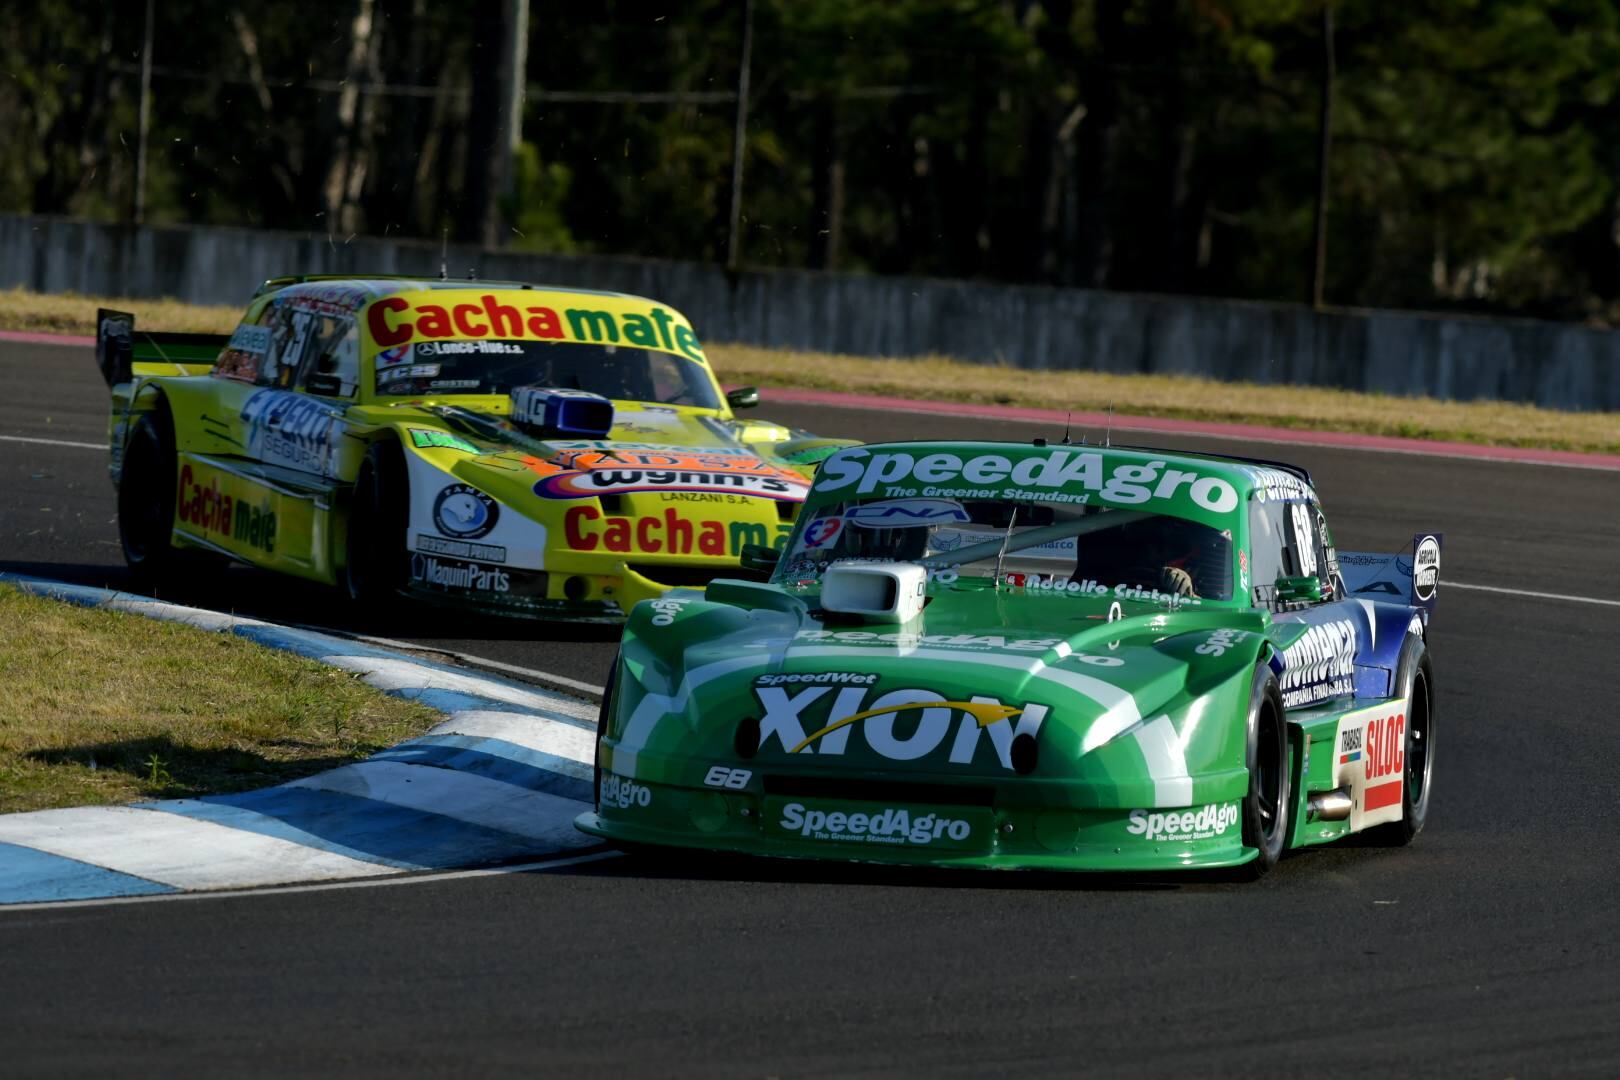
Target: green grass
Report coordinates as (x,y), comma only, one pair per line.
(941,379)
(106,707)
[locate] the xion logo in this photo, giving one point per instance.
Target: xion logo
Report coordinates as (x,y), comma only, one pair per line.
(928,715)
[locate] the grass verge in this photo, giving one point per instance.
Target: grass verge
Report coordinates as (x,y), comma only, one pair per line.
(108,707)
(941,379)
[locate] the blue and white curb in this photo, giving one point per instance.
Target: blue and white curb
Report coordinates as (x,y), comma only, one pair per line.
(499,781)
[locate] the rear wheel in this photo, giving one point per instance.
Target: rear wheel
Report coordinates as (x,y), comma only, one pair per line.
(375,555)
(1415,674)
(147,483)
(1266,806)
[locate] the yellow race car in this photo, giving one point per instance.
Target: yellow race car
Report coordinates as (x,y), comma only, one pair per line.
(506,447)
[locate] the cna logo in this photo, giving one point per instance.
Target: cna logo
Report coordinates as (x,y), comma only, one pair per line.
(901,513)
(902,725)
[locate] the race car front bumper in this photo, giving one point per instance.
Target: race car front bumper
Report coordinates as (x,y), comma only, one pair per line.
(998,833)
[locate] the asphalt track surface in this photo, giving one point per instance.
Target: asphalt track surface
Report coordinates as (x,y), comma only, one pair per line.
(1489,948)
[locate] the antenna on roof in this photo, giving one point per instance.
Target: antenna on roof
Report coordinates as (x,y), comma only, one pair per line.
(1067,419)
(444,254)
(1108,432)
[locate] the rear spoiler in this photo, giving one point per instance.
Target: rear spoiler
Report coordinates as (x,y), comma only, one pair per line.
(122,352)
(1408,577)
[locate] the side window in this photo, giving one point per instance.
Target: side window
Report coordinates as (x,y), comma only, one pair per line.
(334,351)
(1268,545)
(1289,539)
(245,355)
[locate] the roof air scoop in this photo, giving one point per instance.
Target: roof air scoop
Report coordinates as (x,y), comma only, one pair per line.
(880,591)
(551,413)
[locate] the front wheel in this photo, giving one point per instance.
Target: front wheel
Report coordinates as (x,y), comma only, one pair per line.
(375,555)
(1266,806)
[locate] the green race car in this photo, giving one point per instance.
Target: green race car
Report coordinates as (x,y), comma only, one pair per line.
(1032,656)
(491,445)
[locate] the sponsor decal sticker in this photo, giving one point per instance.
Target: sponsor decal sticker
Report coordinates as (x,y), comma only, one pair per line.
(428,439)
(666,611)
(622,794)
(1205,823)
(902,725)
(402,354)
(461,549)
(581,485)
(585,528)
(459,575)
(891,825)
(401,319)
(1320,665)
(290,429)
(817,678)
(464,512)
(822,532)
(1350,746)
(1385,757)
(1059,476)
(217,514)
(904,513)
(1426,568)
(1219,641)
(1276,485)
(969,642)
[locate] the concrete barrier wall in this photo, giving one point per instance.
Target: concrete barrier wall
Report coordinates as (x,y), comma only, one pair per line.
(1560,365)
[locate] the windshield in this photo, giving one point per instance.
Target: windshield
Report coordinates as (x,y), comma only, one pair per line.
(496,367)
(1095,550)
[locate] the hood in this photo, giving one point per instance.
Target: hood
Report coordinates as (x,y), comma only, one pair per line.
(656,459)
(949,694)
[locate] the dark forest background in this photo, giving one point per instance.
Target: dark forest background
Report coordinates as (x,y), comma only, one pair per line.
(1153,145)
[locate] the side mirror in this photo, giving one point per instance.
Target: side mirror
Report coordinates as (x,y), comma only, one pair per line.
(324,385)
(744,397)
(760,559)
(1299,589)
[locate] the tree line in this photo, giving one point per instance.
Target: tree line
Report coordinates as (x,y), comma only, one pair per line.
(1151,145)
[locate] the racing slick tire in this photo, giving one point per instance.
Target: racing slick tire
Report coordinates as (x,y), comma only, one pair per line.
(1414,675)
(375,561)
(1266,806)
(147,486)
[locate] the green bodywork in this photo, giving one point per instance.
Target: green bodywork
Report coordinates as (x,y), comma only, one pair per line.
(1136,708)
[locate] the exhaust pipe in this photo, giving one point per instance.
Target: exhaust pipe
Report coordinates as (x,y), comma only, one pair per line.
(1329,805)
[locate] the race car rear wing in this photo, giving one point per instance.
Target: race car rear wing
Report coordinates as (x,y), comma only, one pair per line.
(1408,577)
(122,352)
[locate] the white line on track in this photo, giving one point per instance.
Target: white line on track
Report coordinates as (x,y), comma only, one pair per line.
(1526,592)
(54,442)
(328,886)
